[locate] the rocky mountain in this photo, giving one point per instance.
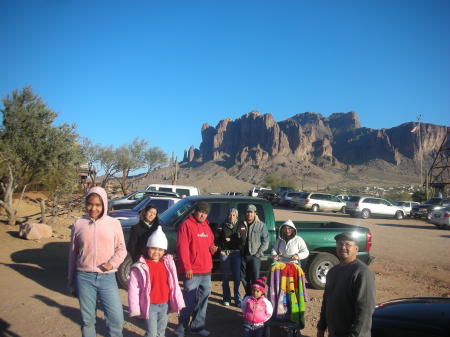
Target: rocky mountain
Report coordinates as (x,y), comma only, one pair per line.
(257,140)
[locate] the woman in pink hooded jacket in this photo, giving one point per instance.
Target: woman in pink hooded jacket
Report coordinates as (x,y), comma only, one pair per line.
(97,249)
(153,288)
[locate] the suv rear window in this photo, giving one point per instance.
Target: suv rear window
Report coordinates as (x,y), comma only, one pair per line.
(353,198)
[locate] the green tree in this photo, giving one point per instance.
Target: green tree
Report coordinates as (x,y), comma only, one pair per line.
(32,149)
(274,180)
(91,153)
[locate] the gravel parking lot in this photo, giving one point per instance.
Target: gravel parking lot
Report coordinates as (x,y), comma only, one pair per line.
(412,259)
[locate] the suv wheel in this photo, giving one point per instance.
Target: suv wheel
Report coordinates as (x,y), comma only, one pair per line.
(123,272)
(429,216)
(365,213)
(399,215)
(319,268)
(315,208)
(343,209)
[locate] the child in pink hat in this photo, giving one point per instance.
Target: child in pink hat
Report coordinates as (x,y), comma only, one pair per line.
(256,309)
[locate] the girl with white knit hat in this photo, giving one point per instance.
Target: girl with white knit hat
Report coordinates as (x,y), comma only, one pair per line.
(153,288)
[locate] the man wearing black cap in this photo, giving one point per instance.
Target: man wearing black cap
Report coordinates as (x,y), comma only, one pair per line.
(195,247)
(349,297)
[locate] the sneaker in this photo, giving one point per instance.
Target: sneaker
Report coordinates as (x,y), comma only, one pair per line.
(202,332)
(226,303)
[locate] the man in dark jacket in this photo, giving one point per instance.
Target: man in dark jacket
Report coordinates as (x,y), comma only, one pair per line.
(255,240)
(349,297)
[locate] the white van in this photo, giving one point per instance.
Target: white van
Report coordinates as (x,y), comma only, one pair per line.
(183,191)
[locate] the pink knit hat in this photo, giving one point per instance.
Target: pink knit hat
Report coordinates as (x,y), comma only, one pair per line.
(260,284)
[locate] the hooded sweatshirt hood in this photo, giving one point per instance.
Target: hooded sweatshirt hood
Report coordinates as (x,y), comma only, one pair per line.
(100,191)
(288,223)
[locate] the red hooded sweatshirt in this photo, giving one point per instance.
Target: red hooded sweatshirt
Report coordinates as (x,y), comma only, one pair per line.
(193,243)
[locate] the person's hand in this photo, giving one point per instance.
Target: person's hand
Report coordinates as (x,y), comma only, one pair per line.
(189,275)
(222,253)
(213,249)
(276,257)
(320,333)
(294,257)
(106,266)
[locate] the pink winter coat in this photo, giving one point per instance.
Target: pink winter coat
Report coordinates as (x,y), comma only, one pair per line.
(256,310)
(139,286)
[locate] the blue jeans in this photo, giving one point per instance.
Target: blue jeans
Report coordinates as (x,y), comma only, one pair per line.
(103,286)
(231,267)
(157,322)
(249,272)
(195,293)
(253,332)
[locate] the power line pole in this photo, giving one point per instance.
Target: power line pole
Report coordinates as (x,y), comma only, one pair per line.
(419,133)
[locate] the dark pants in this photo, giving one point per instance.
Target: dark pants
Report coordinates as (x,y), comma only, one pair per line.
(250,266)
(253,332)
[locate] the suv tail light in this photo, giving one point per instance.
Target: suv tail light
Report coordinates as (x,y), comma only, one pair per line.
(306,201)
(368,241)
(446,215)
(357,204)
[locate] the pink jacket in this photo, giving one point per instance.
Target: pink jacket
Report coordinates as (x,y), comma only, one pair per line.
(94,242)
(139,287)
(256,310)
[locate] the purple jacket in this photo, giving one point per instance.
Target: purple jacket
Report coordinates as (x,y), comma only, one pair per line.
(139,286)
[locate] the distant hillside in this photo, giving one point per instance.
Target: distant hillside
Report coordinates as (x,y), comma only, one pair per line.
(315,151)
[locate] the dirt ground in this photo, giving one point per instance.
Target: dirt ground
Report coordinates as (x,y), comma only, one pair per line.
(412,259)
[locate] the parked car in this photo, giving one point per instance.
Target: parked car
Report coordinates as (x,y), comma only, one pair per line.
(441,217)
(407,206)
(161,204)
(183,191)
(365,207)
(233,193)
(424,210)
(318,235)
(132,199)
(286,198)
(343,197)
(269,195)
(319,202)
(412,317)
(255,190)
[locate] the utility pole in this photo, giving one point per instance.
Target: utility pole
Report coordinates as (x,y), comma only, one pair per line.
(419,133)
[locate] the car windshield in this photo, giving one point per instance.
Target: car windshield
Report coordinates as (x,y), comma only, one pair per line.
(433,201)
(141,204)
(176,211)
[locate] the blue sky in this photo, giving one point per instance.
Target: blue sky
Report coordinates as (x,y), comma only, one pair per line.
(160,69)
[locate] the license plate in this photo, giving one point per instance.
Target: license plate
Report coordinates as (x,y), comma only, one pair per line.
(437,215)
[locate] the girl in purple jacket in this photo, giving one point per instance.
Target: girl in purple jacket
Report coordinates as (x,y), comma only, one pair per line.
(153,288)
(256,309)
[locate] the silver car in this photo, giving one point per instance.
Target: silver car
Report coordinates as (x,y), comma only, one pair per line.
(319,202)
(365,207)
(441,217)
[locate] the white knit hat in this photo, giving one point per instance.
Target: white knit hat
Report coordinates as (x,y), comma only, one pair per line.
(157,239)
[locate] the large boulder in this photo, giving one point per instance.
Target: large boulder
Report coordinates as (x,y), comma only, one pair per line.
(35,231)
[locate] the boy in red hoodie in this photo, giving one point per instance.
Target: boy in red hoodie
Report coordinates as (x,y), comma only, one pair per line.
(195,247)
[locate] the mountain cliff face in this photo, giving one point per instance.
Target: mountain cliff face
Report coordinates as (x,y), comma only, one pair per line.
(338,140)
